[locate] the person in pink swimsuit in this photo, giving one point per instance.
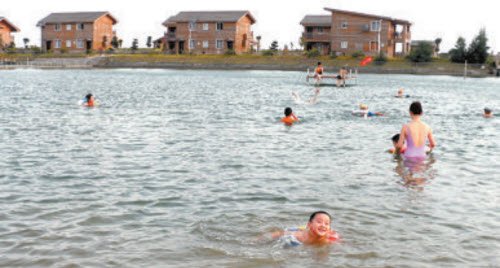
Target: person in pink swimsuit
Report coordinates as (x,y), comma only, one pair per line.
(416,133)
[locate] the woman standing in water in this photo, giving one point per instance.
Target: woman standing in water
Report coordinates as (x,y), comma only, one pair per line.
(416,133)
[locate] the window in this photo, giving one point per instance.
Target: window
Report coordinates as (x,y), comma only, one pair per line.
(343,44)
(219,44)
(343,25)
(375,26)
(57,27)
(68,27)
(79,26)
(68,43)
(205,44)
(58,44)
(192,44)
(319,29)
(220,26)
(79,43)
(205,26)
(192,26)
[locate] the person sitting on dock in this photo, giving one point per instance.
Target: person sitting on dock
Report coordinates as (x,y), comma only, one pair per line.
(341,77)
(318,72)
(289,118)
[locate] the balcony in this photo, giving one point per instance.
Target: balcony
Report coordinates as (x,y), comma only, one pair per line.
(317,36)
(170,36)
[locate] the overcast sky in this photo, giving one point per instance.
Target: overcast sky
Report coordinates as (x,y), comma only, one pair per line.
(276,20)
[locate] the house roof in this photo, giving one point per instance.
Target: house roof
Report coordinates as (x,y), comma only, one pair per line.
(12,27)
(74,17)
(394,20)
(317,20)
(209,16)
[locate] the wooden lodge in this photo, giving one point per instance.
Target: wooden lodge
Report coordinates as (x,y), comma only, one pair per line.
(209,32)
(77,31)
(345,32)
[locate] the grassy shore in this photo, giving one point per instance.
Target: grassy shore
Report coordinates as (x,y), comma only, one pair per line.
(258,62)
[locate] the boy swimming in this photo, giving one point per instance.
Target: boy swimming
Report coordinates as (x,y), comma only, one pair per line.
(395,149)
(289,118)
(317,232)
(488,113)
(363,111)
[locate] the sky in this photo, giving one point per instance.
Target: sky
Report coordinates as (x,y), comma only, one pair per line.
(276,20)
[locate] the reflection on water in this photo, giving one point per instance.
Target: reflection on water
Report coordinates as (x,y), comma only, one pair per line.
(415,173)
(183,168)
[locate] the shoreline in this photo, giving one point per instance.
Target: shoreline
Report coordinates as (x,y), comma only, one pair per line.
(242,62)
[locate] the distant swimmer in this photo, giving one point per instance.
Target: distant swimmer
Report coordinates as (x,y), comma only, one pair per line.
(89,101)
(312,100)
(488,113)
(289,118)
(364,112)
(317,232)
(415,134)
(401,94)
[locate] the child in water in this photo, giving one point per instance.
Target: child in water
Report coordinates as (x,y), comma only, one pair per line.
(289,118)
(317,232)
(363,111)
(487,113)
(318,72)
(395,150)
(89,100)
(401,94)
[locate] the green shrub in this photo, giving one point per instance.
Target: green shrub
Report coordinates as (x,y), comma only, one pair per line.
(313,53)
(380,59)
(333,54)
(358,54)
(267,52)
(230,52)
(422,53)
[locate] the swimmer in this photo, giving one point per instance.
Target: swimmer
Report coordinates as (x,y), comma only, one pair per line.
(415,134)
(317,232)
(312,100)
(401,94)
(488,113)
(289,118)
(395,150)
(363,111)
(89,100)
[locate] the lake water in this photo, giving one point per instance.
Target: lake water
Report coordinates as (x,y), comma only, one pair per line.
(182,168)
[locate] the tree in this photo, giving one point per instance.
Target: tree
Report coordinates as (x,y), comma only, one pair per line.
(478,48)
(438,43)
(148,42)
(120,43)
(291,45)
(26,42)
(422,53)
(459,53)
(135,44)
(114,42)
(258,42)
(274,46)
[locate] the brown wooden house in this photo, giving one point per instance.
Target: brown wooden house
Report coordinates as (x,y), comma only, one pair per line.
(6,28)
(350,32)
(77,31)
(209,32)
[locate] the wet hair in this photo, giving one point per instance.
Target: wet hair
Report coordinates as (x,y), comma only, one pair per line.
(319,63)
(87,97)
(416,108)
(311,218)
(288,111)
(487,110)
(395,138)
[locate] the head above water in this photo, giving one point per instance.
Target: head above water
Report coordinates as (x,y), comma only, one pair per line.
(487,111)
(416,108)
(363,106)
(319,63)
(288,111)
(400,91)
(311,218)
(395,138)
(88,96)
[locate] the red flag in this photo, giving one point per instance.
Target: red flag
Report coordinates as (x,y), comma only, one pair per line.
(366,60)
